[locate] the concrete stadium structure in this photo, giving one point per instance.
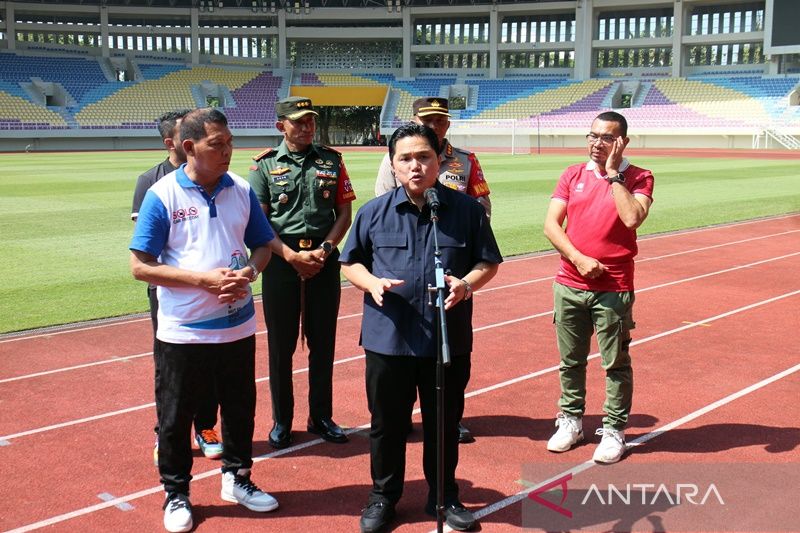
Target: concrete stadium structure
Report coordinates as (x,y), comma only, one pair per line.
(687,73)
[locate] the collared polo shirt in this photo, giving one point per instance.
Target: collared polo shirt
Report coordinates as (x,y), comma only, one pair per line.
(185,227)
(594,226)
(392,238)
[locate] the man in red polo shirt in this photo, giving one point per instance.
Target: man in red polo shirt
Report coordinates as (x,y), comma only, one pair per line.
(603,202)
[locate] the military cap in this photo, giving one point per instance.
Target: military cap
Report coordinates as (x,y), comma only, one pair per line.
(431,106)
(294,107)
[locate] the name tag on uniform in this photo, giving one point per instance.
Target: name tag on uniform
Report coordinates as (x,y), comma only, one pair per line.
(453,177)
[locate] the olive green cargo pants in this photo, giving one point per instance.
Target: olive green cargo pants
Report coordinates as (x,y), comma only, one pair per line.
(577,313)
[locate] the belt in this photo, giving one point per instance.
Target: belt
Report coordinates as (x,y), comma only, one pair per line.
(297,243)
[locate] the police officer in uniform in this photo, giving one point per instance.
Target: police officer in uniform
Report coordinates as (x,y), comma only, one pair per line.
(459,169)
(306,194)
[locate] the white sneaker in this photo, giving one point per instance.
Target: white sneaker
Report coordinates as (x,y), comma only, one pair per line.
(612,446)
(238,488)
(177,513)
(569,433)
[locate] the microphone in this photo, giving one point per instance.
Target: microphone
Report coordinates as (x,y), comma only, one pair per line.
(432,198)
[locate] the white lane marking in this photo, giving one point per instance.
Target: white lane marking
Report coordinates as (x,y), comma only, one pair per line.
(76,367)
(477,293)
(4,440)
(678,233)
(518,497)
(341,361)
(497,505)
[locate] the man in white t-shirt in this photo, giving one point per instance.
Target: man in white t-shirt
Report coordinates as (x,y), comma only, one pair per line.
(191,239)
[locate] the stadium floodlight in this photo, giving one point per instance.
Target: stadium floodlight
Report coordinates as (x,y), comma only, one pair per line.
(271,7)
(254,7)
(389,6)
(296,7)
(220,5)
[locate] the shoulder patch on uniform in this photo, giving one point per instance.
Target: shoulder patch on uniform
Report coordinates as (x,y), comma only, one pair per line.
(331,149)
(263,154)
(461,150)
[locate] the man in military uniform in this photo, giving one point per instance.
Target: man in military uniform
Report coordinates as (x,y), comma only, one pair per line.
(306,194)
(459,169)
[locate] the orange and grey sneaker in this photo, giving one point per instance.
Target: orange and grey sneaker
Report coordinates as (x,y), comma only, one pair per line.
(209,443)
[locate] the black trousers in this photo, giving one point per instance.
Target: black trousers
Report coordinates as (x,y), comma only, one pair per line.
(206,416)
(281,289)
(183,369)
(392,382)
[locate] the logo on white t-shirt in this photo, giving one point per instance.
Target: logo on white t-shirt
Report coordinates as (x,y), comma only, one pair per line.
(238,260)
(184,214)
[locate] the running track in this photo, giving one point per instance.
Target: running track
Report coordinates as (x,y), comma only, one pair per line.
(716,312)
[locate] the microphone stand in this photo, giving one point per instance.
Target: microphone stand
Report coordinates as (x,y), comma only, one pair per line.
(442,361)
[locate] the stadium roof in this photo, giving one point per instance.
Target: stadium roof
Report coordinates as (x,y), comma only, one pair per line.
(281,3)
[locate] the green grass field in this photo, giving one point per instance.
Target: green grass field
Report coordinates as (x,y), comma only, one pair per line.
(65,217)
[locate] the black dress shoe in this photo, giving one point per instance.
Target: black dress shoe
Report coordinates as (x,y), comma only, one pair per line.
(280,437)
(456,515)
(376,516)
(327,429)
(464,434)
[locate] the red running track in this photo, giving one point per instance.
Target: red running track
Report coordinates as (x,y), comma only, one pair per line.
(716,312)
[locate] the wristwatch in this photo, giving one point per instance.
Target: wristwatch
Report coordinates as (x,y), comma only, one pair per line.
(619,178)
(326,248)
(467,289)
(253,266)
